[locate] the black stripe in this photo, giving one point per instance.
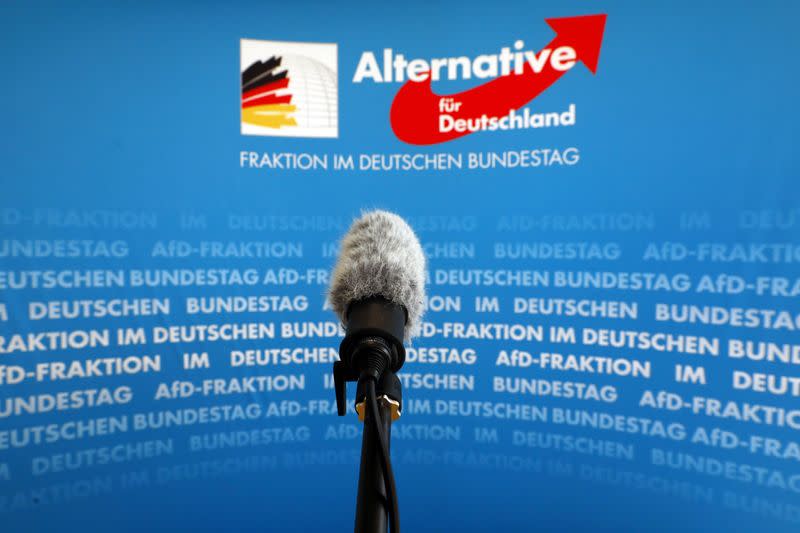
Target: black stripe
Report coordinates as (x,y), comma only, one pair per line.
(262,72)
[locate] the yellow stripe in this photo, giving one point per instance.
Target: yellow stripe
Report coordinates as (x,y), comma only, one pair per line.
(269,116)
(271,108)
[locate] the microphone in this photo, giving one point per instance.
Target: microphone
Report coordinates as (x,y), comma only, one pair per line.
(378,292)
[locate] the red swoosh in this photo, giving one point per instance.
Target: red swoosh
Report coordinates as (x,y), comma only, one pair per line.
(415,110)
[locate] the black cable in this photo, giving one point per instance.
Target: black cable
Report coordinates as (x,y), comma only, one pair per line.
(388,473)
(386,461)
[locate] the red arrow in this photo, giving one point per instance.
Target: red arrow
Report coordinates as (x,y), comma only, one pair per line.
(415,109)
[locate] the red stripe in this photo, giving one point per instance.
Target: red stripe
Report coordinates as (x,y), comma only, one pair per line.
(269,87)
(268,99)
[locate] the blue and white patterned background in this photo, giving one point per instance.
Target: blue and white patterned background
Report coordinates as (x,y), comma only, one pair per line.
(121,160)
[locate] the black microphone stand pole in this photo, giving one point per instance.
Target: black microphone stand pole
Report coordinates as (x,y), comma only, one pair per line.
(370,354)
(372,503)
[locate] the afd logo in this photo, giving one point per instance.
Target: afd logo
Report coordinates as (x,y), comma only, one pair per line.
(289,89)
(515,75)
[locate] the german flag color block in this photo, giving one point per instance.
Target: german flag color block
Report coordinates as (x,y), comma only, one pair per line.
(266,96)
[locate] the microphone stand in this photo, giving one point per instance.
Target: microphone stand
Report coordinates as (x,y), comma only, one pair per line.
(370,354)
(372,502)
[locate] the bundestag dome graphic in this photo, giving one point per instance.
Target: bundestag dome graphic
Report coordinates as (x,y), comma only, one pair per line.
(289,89)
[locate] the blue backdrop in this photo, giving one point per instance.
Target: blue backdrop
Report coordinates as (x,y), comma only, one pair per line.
(611,341)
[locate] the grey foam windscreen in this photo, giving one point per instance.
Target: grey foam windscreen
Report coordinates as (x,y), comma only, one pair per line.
(380,256)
